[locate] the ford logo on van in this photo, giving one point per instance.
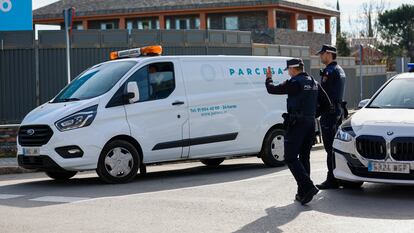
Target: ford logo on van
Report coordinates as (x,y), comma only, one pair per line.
(30,132)
(390,133)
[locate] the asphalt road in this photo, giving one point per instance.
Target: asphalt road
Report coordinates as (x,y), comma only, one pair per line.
(240,196)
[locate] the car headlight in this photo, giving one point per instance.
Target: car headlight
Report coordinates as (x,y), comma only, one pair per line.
(343,136)
(345,132)
(77,120)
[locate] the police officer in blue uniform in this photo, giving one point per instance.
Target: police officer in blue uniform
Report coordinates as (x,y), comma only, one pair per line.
(333,82)
(303,97)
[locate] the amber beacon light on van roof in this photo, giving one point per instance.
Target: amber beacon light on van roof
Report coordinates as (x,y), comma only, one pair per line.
(154,50)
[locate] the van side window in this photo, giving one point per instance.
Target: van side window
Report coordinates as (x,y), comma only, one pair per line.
(155,81)
(161,80)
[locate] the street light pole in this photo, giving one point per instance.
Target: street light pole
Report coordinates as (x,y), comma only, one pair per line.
(360,70)
(67,45)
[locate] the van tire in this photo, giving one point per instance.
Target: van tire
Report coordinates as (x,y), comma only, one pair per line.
(274,140)
(61,175)
(126,159)
(350,185)
(212,162)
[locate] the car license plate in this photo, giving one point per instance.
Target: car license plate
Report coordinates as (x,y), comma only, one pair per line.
(389,167)
(31,151)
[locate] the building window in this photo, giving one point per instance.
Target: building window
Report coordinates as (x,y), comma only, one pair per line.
(144,24)
(157,22)
(208,23)
(282,23)
(130,25)
(197,23)
(107,25)
(168,24)
(231,23)
(283,19)
(182,24)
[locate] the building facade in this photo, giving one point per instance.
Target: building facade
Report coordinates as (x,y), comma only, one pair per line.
(271,21)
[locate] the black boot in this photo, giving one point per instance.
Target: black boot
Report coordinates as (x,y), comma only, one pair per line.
(328,184)
(309,195)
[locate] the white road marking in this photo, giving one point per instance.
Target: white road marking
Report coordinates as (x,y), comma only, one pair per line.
(60,199)
(9,196)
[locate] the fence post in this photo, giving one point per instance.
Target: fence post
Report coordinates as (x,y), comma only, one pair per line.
(36,50)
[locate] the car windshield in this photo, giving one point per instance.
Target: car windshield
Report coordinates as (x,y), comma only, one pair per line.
(94,81)
(397,94)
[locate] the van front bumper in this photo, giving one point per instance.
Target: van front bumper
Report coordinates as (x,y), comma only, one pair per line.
(54,153)
(41,163)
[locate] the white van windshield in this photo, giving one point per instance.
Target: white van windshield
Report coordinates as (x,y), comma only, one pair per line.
(397,94)
(94,81)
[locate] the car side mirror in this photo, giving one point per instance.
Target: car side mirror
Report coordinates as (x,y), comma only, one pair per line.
(132,95)
(363,103)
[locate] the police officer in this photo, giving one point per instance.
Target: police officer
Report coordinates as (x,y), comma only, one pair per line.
(333,82)
(303,94)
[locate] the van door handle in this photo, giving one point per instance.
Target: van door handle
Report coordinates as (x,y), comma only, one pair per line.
(178,103)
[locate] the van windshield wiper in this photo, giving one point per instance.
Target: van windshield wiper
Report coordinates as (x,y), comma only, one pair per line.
(69,99)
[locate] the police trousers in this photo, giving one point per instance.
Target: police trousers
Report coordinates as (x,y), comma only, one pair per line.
(329,126)
(298,144)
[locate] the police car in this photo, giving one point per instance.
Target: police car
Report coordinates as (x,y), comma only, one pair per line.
(377,143)
(141,108)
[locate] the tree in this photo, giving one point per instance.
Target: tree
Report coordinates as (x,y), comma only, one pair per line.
(370,11)
(397,28)
(342,46)
(338,21)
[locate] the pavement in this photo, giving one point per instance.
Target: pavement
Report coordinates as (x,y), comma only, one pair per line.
(9,166)
(241,195)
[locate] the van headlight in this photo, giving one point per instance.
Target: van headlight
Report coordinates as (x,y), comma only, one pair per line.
(77,120)
(345,132)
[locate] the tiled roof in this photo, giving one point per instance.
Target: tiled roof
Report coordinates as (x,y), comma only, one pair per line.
(102,7)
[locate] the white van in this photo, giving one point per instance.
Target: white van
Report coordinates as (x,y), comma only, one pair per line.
(118,116)
(377,143)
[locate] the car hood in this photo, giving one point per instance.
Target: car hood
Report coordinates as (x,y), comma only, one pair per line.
(49,113)
(381,121)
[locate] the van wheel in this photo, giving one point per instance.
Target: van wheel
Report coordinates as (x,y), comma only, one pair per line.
(273,154)
(212,162)
(118,163)
(350,184)
(61,175)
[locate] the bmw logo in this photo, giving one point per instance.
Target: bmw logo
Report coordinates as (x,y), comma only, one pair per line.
(390,133)
(30,132)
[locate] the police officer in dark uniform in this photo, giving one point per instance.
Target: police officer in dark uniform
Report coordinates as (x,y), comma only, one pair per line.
(333,82)
(303,94)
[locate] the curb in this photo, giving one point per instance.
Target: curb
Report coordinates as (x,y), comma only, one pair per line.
(14,170)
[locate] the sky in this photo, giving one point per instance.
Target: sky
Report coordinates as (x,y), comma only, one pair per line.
(350,9)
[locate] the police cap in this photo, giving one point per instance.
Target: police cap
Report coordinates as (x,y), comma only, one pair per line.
(327,48)
(295,62)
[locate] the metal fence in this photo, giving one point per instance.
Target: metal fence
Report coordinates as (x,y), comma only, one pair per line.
(32,72)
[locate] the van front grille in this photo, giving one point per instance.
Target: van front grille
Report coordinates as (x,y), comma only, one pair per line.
(34,135)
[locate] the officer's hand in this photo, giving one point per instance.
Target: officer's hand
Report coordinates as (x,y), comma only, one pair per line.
(268,73)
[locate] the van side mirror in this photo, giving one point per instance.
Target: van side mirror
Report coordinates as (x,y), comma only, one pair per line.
(132,95)
(363,103)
